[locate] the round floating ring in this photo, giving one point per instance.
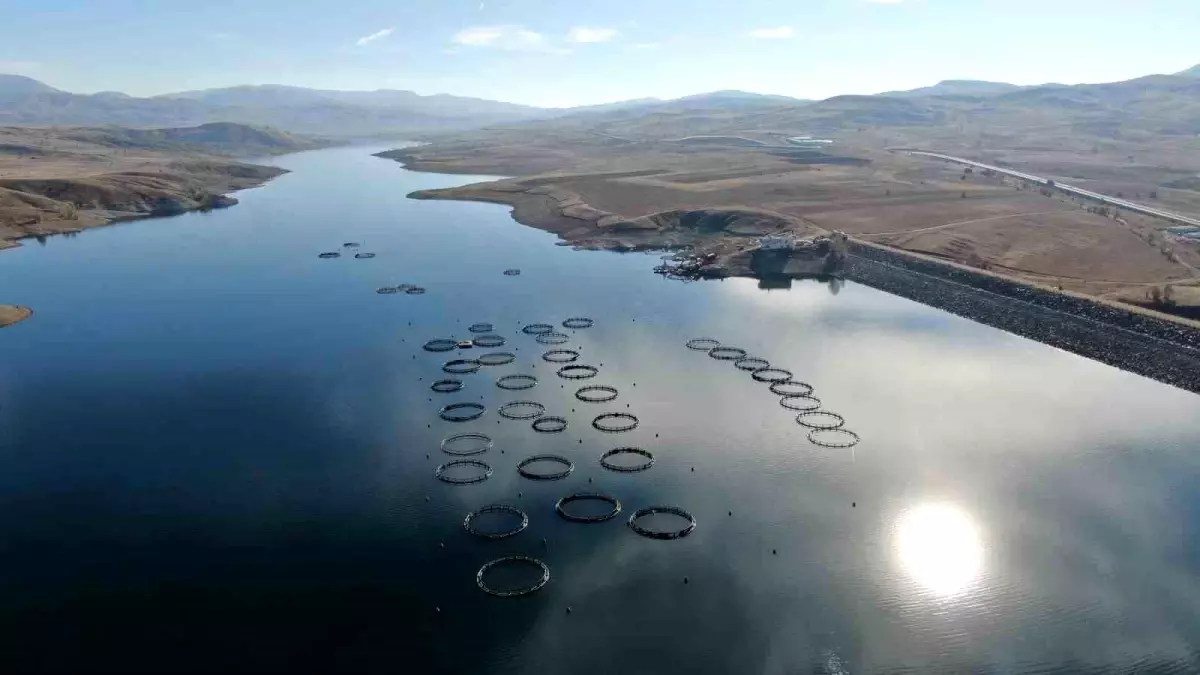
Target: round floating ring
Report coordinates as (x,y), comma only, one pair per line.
(481,328)
(655,534)
(627,451)
(489,341)
(578,322)
(495,508)
(440,345)
(461,366)
(515,592)
(512,273)
(821,420)
(560,356)
(364,256)
(751,363)
(727,353)
(557,475)
(517,382)
(461,412)
(496,358)
(578,372)
(801,402)
(549,424)
(440,473)
(405,287)
(485,444)
(833,438)
(387,290)
(351,244)
(601,423)
(506,410)
(553,338)
(415,290)
(791,388)
(447,386)
(598,393)
(586,497)
(703,344)
(329,254)
(772,375)
(537,329)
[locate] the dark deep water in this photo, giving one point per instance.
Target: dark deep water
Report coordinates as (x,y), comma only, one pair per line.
(213,458)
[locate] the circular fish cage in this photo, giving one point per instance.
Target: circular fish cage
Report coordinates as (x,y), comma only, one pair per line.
(387,290)
(447,386)
(489,341)
(351,244)
(513,592)
(771,375)
(578,372)
(599,393)
(800,402)
(497,358)
(415,290)
(329,254)
(615,423)
(537,329)
(627,468)
(560,507)
(703,344)
(658,534)
(552,338)
(462,412)
(820,420)
(751,363)
(550,424)
(461,366)
(481,328)
(512,273)
(440,345)
(469,521)
(513,410)
(441,474)
(727,353)
(523,467)
(833,438)
(578,322)
(561,356)
(364,256)
(517,382)
(791,388)
(481,444)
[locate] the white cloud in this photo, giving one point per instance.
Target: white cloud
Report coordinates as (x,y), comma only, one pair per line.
(779,33)
(377,35)
(646,45)
(509,38)
(583,34)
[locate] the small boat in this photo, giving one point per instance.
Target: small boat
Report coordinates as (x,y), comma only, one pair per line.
(465,344)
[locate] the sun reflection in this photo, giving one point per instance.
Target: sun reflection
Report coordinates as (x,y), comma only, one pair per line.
(939,546)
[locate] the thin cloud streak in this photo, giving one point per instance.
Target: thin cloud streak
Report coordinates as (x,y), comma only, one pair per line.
(378,35)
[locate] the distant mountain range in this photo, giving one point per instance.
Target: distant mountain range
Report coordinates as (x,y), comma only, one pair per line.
(27,102)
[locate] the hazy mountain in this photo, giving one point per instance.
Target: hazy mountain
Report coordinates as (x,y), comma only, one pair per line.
(1194,71)
(15,87)
(958,88)
(221,138)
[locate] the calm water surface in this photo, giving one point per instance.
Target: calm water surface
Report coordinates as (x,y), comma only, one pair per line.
(217,454)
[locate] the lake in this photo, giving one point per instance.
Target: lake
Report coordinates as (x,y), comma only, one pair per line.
(217,454)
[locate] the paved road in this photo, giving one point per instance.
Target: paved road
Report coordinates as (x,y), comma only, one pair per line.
(1113,201)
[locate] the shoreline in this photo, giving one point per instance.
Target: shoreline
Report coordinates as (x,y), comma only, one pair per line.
(212,198)
(1161,346)
(13,314)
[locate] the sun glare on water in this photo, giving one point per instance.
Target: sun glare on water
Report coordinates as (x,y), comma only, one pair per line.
(940,547)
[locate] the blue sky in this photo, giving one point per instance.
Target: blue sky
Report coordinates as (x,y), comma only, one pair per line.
(569,52)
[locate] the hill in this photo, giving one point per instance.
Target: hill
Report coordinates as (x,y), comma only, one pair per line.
(55,180)
(959,88)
